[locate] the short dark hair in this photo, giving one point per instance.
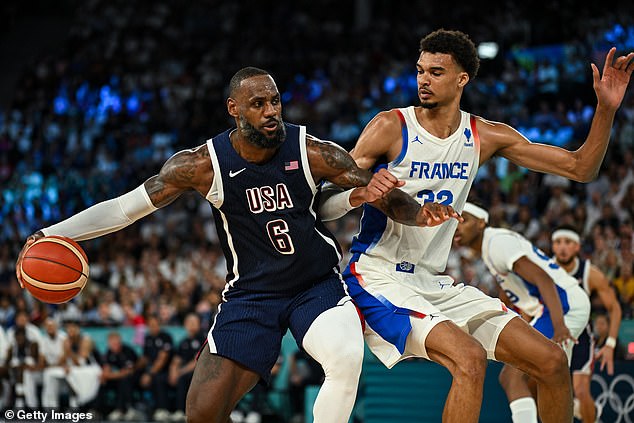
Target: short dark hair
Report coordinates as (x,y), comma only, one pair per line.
(241,75)
(457,44)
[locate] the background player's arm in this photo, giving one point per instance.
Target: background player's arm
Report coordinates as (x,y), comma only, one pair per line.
(583,164)
(331,162)
(600,284)
(531,272)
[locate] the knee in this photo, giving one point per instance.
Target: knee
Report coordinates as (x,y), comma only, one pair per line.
(553,363)
(471,362)
(346,361)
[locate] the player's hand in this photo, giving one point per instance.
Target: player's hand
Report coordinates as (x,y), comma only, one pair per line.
(562,335)
(434,214)
(610,87)
(606,355)
(381,184)
(30,240)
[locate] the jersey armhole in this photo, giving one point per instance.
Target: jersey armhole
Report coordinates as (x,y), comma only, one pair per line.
(404,136)
(216,194)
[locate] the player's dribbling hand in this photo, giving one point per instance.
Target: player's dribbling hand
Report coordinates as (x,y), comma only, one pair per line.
(381,184)
(606,355)
(434,214)
(30,240)
(610,87)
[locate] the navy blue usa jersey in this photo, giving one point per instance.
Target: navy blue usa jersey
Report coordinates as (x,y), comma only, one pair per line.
(266,220)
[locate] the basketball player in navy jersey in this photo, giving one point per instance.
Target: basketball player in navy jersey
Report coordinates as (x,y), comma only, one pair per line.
(396,273)
(566,245)
(262,179)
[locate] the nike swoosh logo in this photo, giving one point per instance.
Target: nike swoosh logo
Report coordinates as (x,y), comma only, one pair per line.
(237,172)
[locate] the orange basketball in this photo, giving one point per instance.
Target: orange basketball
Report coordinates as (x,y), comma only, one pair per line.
(54,269)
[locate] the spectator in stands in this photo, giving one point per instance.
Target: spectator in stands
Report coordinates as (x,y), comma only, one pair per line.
(182,366)
(119,377)
(52,362)
(624,284)
(30,375)
(22,360)
(601,327)
(157,354)
(4,369)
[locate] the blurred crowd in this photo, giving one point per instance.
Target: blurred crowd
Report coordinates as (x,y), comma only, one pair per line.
(138,81)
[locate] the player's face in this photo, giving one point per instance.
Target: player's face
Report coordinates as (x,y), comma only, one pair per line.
(469,230)
(565,250)
(258,109)
(439,79)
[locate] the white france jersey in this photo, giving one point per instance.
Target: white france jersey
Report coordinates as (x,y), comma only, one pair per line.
(501,248)
(434,169)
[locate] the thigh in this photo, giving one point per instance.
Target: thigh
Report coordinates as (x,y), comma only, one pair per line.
(248,330)
(217,385)
(481,316)
(523,347)
(307,306)
(391,306)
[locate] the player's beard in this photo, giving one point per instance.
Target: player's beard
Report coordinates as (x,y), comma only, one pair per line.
(428,104)
(257,138)
(565,262)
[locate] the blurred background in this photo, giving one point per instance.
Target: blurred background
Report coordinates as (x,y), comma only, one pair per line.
(95,95)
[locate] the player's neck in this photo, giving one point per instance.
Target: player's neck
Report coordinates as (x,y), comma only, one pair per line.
(249,152)
(441,121)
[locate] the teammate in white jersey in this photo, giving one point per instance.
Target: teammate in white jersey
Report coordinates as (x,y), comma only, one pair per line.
(533,283)
(394,275)
(566,245)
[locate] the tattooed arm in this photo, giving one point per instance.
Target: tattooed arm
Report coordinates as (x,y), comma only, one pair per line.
(331,162)
(186,170)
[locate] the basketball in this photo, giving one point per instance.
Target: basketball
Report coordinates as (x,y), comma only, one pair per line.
(54,269)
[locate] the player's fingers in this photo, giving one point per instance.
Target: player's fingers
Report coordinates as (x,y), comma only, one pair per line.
(610,368)
(622,62)
(630,63)
(387,175)
(609,58)
(595,73)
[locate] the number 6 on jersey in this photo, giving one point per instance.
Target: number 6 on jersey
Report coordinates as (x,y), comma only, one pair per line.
(278,234)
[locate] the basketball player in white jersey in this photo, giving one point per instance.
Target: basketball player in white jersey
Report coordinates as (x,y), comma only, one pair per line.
(411,309)
(566,244)
(533,284)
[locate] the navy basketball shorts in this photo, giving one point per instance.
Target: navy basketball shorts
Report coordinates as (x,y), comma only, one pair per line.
(249,326)
(583,353)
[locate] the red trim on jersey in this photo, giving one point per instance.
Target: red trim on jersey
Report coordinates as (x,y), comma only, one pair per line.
(400,116)
(474,131)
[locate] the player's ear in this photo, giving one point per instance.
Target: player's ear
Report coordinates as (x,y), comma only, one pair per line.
(463,79)
(232,107)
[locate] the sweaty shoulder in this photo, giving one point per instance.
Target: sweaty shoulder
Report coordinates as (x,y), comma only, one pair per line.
(495,136)
(380,138)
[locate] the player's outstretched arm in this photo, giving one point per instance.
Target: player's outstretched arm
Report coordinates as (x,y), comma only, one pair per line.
(186,170)
(583,164)
(600,284)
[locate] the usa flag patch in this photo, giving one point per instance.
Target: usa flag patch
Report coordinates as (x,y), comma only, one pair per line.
(292,165)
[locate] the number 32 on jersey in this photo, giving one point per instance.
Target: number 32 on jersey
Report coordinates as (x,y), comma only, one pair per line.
(444,197)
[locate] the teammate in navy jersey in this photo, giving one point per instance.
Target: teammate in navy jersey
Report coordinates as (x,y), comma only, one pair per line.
(566,246)
(262,179)
(396,272)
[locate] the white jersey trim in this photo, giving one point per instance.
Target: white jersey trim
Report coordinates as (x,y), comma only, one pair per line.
(216,193)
